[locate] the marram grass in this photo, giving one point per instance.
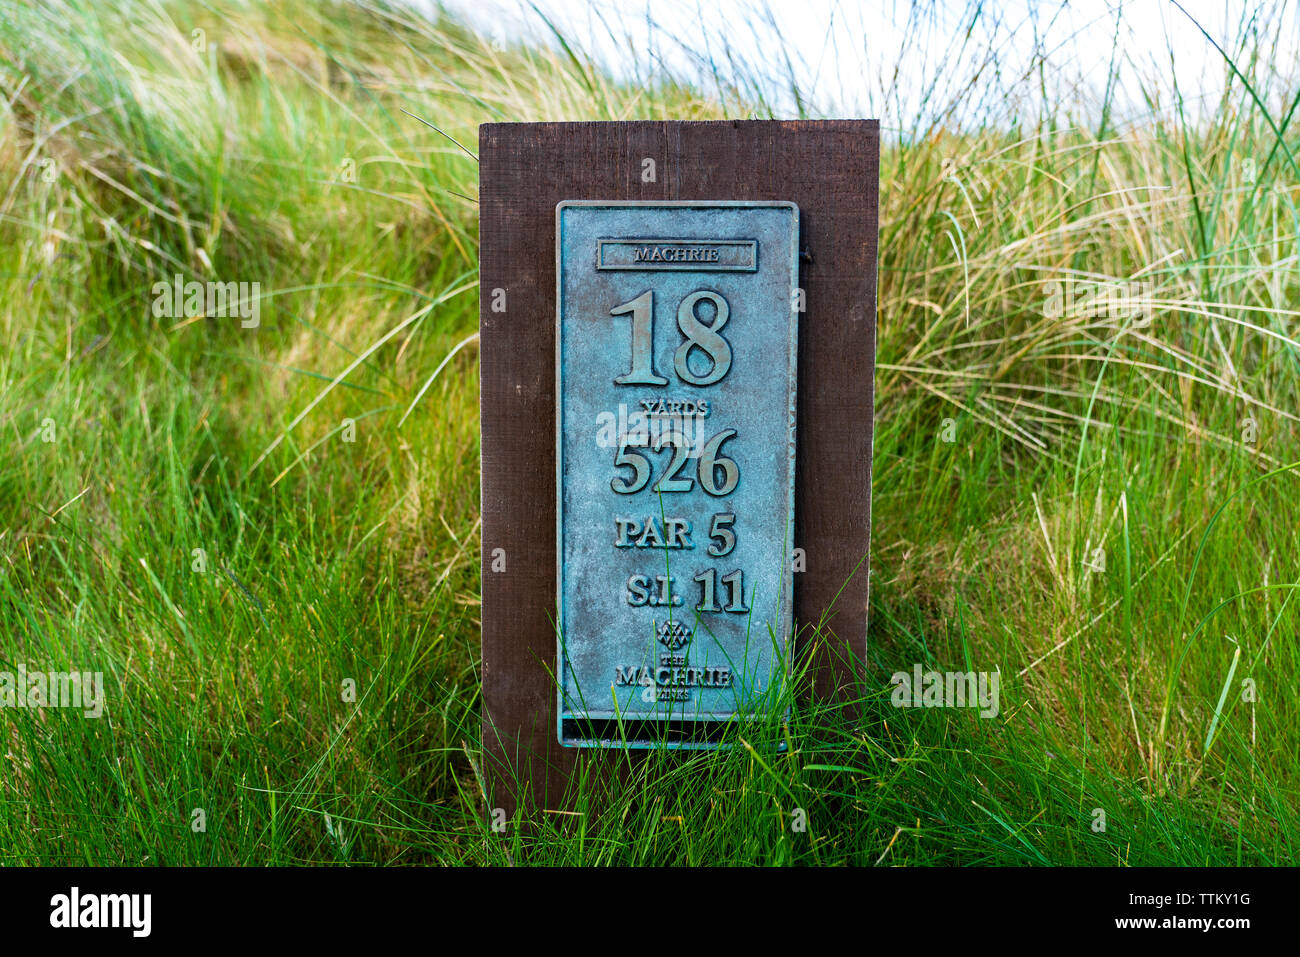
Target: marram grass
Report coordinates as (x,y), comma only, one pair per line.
(266,538)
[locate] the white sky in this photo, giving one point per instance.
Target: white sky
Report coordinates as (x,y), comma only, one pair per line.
(901,60)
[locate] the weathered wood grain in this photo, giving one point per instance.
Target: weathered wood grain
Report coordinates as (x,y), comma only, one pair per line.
(831,170)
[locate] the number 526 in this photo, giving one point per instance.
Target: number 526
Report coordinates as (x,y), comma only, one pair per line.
(711,463)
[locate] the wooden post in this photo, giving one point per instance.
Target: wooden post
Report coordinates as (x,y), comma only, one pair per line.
(831,170)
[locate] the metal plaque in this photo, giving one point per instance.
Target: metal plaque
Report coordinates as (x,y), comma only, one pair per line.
(676,328)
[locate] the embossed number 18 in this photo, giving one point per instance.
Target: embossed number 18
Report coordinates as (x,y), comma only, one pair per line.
(706,338)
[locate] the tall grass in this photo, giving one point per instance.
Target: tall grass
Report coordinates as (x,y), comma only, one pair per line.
(276,566)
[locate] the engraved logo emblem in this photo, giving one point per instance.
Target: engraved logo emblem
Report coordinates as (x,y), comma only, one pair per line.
(673,634)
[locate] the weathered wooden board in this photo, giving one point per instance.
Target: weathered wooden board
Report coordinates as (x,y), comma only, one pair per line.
(830,169)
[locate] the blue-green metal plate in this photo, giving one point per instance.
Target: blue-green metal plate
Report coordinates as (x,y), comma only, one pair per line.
(676,330)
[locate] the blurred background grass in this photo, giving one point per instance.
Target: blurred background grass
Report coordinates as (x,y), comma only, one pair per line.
(1095,503)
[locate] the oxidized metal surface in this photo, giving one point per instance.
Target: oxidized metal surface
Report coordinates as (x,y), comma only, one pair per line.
(676,327)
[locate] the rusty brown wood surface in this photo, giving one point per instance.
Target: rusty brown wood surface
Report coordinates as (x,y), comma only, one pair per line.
(830,169)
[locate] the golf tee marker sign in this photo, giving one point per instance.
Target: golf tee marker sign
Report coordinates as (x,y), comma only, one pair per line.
(677,347)
(676,334)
